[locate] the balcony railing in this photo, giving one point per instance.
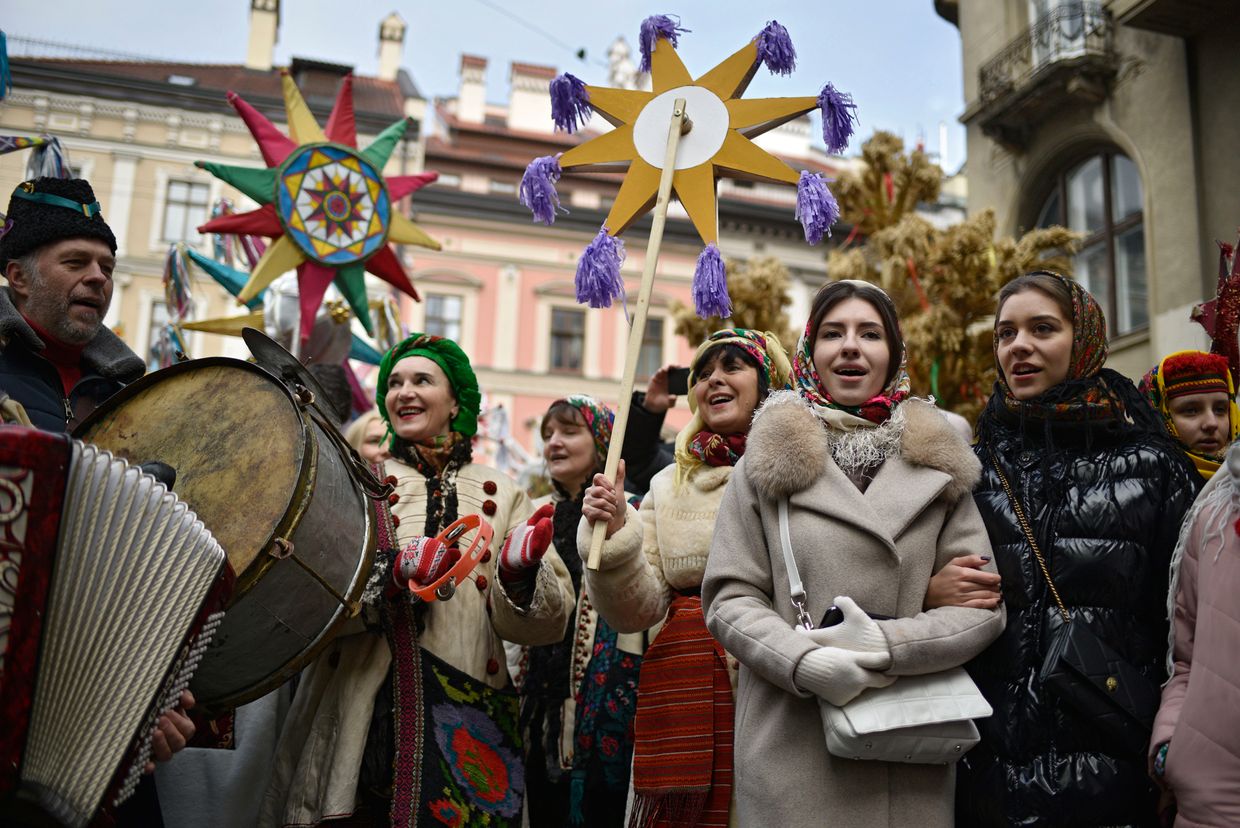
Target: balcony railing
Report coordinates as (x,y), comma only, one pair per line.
(1070,32)
(1068,53)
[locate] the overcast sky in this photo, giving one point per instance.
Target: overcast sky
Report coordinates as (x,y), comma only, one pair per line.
(900,61)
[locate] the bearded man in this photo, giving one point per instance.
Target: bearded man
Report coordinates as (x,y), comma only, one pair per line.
(57,358)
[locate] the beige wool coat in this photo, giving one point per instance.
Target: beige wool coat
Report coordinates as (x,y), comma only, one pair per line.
(880,548)
(319,755)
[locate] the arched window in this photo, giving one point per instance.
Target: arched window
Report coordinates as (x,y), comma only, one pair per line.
(1101,197)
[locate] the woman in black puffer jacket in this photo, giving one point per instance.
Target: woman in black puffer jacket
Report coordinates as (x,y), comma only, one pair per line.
(1105,492)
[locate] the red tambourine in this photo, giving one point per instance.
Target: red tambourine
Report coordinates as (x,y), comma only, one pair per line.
(444,587)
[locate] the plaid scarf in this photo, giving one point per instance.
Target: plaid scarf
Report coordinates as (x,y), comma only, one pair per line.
(682,757)
(717,449)
(876,410)
(1191,368)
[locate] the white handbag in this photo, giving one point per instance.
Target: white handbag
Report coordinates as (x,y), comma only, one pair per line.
(918,719)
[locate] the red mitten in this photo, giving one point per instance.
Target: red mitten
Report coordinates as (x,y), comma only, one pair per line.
(527,544)
(423,560)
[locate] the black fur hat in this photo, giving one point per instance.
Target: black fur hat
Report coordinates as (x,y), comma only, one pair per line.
(50,209)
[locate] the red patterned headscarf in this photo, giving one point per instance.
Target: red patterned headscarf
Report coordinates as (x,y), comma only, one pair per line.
(1089,354)
(693,450)
(598,418)
(1185,373)
(876,410)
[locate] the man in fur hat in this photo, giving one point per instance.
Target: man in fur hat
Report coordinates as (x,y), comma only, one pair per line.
(57,359)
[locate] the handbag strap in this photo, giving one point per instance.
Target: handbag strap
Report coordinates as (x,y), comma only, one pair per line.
(795,587)
(1024,525)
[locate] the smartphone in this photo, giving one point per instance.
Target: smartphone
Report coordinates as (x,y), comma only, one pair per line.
(678,381)
(834,615)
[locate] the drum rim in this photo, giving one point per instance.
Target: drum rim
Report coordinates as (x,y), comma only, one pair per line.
(294,511)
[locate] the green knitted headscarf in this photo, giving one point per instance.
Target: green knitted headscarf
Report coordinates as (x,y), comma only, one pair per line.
(447,355)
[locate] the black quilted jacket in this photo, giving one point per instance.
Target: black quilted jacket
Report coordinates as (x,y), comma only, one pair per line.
(1107,525)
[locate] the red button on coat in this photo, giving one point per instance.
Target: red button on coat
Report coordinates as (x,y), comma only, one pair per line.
(486,556)
(481,583)
(393,498)
(492,667)
(395,520)
(489,487)
(488,506)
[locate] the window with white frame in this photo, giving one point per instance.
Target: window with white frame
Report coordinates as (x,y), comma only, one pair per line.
(186,204)
(568,340)
(443,316)
(650,357)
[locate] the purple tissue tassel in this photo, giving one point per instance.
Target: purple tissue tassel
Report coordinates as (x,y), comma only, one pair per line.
(570,102)
(598,271)
(816,207)
(839,116)
(654,27)
(538,188)
(775,49)
(710,285)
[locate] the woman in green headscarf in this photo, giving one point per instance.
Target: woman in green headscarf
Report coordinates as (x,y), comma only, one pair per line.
(412,719)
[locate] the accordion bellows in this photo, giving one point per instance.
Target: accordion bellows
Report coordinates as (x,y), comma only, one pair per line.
(127,595)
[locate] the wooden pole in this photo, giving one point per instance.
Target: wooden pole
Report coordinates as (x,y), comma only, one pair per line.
(678,126)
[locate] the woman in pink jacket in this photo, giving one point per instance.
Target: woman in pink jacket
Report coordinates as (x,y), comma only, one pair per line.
(1195,749)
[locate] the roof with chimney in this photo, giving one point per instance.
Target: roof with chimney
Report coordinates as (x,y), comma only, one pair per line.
(202,86)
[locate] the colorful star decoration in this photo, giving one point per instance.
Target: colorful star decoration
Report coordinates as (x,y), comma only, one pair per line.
(717,143)
(324,202)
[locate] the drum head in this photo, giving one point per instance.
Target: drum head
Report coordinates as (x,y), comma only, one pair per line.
(233,434)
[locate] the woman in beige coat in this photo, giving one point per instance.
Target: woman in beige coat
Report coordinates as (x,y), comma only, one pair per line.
(400,721)
(878,486)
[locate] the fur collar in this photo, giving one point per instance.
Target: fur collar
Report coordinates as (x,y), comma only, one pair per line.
(105,355)
(787,449)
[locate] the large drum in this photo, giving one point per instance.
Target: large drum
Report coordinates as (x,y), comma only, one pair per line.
(284,495)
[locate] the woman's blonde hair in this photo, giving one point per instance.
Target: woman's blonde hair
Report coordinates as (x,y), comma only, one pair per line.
(355,434)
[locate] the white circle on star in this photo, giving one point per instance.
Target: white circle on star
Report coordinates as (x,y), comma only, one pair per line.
(710,127)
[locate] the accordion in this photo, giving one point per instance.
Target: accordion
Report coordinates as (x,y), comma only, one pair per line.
(110,590)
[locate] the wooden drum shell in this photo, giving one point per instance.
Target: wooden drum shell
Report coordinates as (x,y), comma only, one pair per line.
(264,474)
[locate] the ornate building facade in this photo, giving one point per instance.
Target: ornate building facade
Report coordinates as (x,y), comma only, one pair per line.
(1117,119)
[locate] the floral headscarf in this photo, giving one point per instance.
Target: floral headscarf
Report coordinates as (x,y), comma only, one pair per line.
(598,417)
(1089,355)
(1192,372)
(692,451)
(873,412)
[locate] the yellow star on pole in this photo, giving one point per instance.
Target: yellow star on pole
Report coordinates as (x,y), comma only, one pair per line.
(717,145)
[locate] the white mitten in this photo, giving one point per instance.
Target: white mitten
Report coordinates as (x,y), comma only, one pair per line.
(857,631)
(839,675)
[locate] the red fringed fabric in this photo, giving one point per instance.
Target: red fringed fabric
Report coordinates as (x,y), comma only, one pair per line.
(682,758)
